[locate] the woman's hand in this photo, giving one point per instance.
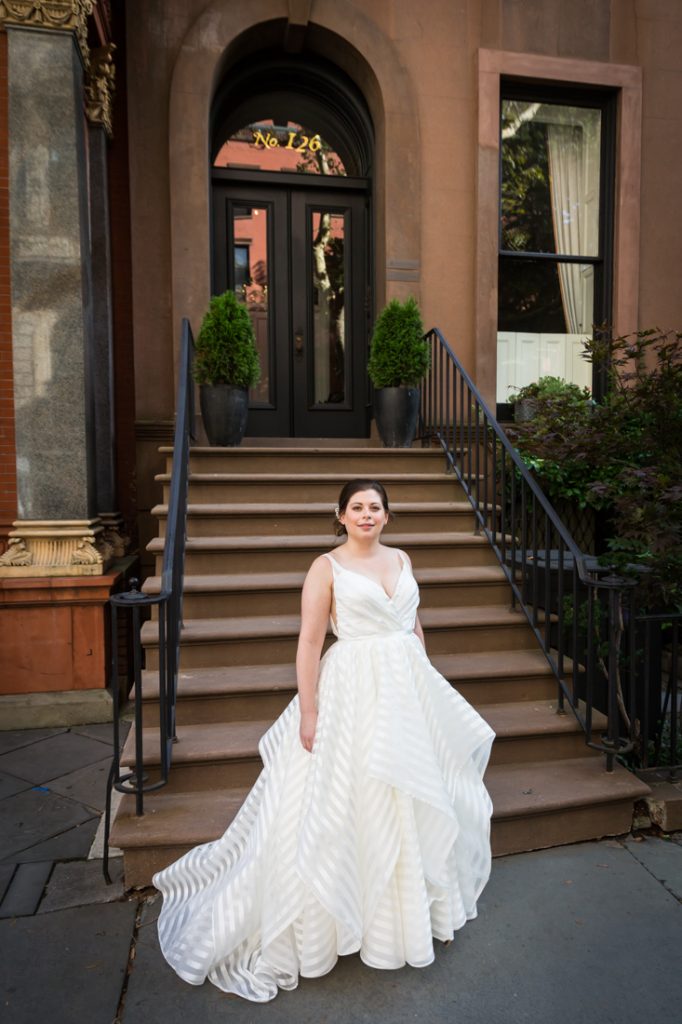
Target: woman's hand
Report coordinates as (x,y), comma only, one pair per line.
(307,730)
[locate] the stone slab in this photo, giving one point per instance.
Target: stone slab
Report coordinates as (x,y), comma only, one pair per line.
(24,711)
(662,858)
(80,883)
(9,785)
(25,891)
(52,758)
(72,844)
(6,873)
(14,739)
(561,934)
(67,967)
(102,731)
(33,816)
(86,785)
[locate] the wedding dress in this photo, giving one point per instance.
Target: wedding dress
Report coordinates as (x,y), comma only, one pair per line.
(376,842)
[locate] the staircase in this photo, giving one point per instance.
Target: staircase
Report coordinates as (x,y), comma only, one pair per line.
(257,518)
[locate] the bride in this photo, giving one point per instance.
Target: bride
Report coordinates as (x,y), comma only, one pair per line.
(368,829)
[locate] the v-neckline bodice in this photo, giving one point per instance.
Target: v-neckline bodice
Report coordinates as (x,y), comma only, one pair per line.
(362,575)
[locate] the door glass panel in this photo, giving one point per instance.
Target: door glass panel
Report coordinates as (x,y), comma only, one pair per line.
(250,275)
(329,312)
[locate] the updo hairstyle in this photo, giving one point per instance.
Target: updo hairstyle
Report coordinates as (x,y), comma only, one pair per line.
(347,492)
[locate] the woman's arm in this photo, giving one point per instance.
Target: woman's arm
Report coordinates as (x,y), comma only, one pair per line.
(417,624)
(316,600)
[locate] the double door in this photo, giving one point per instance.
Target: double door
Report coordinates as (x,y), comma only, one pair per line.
(297,257)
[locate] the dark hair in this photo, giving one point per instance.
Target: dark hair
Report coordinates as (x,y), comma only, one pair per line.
(351,488)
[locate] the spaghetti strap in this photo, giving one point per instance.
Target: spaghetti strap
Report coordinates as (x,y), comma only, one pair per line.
(331,558)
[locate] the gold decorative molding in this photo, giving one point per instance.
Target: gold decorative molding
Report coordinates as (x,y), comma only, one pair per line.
(99,87)
(62,15)
(71,547)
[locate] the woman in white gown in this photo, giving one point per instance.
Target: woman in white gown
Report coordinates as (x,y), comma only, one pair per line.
(368,829)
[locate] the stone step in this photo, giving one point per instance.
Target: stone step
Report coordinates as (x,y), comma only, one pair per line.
(320,487)
(353,462)
(257,639)
(239,692)
(292,518)
(225,754)
(272,553)
(219,596)
(535,805)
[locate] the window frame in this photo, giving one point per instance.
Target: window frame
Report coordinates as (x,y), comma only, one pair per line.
(605,100)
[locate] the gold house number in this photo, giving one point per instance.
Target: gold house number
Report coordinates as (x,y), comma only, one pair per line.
(297,142)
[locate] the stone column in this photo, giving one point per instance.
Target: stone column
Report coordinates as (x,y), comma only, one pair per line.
(58,531)
(99,93)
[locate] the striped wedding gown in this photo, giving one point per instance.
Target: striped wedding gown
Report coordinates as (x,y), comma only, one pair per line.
(375,843)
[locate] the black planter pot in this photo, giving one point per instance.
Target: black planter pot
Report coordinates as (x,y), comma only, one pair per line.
(224,410)
(396,411)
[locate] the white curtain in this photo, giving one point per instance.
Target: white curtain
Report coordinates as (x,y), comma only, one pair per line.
(574,188)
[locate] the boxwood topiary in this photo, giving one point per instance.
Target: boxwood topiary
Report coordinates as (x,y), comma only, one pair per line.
(226,345)
(399,355)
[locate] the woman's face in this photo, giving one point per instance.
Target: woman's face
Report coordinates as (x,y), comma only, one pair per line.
(364,515)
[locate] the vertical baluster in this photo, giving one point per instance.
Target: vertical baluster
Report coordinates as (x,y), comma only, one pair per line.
(592,596)
(494,484)
(674,689)
(163,691)
(512,525)
(645,718)
(448,421)
(477,464)
(534,566)
(560,619)
(469,443)
(462,416)
(137,683)
(614,652)
(524,541)
(575,654)
(503,501)
(548,579)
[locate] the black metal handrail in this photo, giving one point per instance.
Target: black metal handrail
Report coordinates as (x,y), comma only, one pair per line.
(579,610)
(136,782)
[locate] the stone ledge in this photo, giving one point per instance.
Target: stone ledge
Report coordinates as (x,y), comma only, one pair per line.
(50,710)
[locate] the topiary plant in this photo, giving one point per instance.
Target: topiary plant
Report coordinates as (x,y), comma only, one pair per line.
(399,356)
(226,345)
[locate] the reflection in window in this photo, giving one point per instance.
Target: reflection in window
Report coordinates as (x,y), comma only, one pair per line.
(549,207)
(329,314)
(250,275)
(266,146)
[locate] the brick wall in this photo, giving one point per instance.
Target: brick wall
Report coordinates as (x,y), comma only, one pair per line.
(8,479)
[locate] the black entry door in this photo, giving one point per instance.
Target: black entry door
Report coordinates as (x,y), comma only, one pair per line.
(298,259)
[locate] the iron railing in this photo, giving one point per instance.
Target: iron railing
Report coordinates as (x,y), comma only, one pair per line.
(136,782)
(581,612)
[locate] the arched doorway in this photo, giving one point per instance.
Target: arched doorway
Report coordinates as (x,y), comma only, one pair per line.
(291,166)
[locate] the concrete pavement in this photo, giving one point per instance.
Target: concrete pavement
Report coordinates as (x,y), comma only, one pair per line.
(587,933)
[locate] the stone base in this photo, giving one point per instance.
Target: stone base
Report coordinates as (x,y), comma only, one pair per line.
(663,807)
(51,710)
(68,547)
(55,638)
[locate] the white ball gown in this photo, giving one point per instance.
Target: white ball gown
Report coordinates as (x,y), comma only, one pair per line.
(375,843)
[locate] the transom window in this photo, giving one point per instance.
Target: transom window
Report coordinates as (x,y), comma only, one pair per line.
(555,229)
(291,147)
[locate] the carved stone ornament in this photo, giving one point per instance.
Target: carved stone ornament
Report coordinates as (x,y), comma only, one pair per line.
(64,15)
(114,535)
(17,553)
(75,547)
(99,87)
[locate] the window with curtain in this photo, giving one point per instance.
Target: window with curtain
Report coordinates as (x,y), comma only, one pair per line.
(556,187)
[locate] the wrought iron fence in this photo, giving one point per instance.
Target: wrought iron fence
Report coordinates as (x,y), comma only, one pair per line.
(581,612)
(136,782)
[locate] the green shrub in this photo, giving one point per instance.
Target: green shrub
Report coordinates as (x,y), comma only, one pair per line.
(550,388)
(226,345)
(399,354)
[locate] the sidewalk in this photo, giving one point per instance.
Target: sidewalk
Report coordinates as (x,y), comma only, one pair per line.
(590,932)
